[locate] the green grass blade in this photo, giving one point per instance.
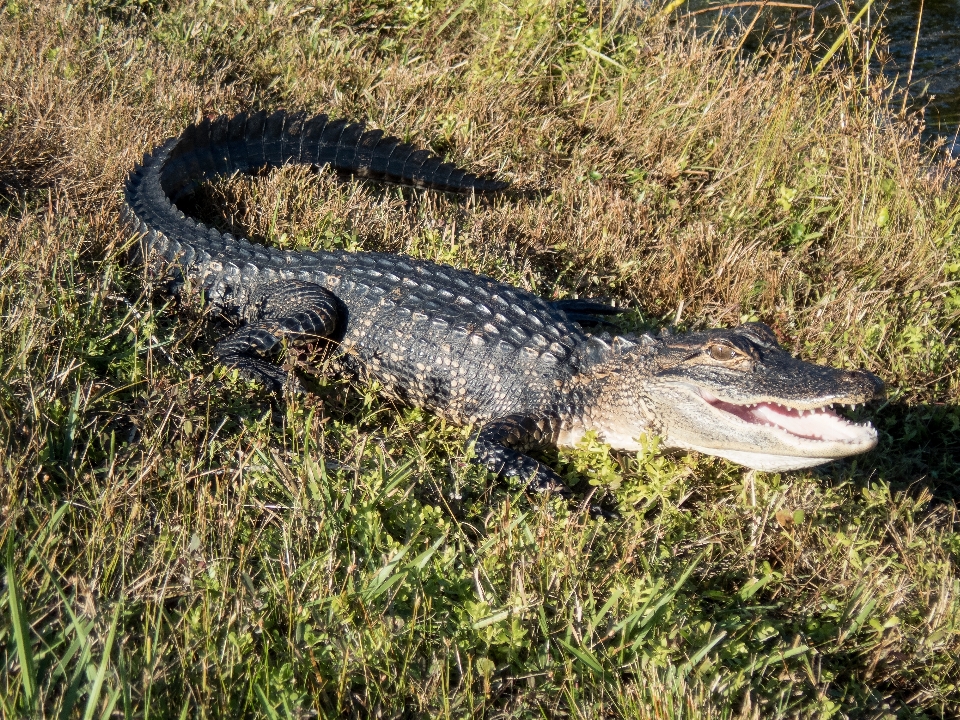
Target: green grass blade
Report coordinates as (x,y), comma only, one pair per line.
(400,475)
(380,588)
(111,704)
(21,630)
(491,619)
(94,697)
(584,656)
(421,560)
(48,528)
(598,618)
(838,43)
(73,690)
(268,709)
(600,56)
(702,652)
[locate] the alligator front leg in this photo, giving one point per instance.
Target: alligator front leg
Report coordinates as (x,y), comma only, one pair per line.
(289,308)
(501,443)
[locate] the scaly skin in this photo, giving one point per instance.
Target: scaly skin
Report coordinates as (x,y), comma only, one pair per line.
(462,345)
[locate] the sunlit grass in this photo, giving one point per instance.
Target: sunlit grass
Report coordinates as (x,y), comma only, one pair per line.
(179,543)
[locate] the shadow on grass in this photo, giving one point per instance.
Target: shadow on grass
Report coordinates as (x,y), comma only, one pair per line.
(919,448)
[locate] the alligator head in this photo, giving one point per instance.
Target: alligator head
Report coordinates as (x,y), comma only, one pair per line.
(733,393)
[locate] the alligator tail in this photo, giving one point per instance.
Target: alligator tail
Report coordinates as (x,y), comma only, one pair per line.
(249,141)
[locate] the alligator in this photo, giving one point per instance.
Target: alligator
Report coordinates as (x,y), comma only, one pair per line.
(520,369)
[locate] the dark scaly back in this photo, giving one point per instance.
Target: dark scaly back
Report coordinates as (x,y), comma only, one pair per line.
(248,141)
(512,345)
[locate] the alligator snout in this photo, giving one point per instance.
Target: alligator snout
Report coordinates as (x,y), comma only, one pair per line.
(868,385)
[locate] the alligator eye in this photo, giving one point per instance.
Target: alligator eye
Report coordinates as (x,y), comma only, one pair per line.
(723,353)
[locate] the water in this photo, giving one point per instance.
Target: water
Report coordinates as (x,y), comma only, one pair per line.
(935,82)
(936,70)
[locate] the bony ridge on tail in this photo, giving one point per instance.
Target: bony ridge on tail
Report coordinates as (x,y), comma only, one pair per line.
(464,346)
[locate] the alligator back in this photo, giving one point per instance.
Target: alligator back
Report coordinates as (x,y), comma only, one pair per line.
(450,340)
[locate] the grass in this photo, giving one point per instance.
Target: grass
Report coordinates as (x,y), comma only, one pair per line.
(180,544)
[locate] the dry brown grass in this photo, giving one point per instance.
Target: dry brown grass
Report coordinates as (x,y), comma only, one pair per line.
(680,180)
(693,151)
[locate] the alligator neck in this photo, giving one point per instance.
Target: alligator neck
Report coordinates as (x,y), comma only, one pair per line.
(608,398)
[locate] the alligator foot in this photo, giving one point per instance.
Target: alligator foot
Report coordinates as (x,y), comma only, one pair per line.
(500,444)
(290,308)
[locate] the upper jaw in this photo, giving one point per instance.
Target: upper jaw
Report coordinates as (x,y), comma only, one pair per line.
(808,428)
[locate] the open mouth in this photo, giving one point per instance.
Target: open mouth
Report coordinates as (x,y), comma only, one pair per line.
(820,424)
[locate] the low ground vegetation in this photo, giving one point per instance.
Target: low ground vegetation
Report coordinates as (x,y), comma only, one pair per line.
(178,543)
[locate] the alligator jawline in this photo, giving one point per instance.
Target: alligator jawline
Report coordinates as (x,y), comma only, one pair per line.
(819,424)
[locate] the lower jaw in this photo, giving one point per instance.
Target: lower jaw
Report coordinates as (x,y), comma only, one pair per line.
(759,461)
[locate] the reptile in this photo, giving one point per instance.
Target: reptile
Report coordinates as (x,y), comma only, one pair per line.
(520,369)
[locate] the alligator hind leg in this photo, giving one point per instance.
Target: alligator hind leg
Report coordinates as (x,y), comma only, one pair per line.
(289,308)
(500,446)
